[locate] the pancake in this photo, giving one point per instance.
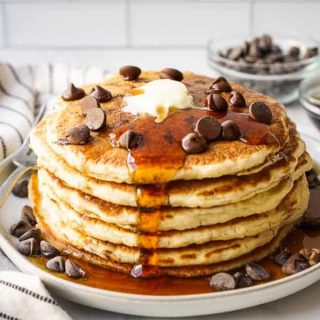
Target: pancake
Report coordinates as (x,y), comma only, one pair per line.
(197,193)
(66,246)
(224,157)
(159,203)
(236,228)
(211,252)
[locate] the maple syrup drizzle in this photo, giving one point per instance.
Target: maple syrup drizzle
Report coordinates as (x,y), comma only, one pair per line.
(159,156)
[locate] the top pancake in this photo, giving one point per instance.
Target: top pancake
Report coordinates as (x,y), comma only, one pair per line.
(99,159)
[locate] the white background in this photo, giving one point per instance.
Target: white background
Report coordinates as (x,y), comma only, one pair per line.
(108,32)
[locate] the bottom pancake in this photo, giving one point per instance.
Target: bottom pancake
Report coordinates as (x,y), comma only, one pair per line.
(270,242)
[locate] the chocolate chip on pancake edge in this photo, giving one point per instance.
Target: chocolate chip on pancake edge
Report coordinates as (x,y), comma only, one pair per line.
(194,143)
(260,112)
(89,103)
(72,93)
(237,100)
(78,135)
(56,264)
(220,85)
(95,119)
(172,74)
(73,270)
(208,127)
(216,102)
(130,72)
(230,130)
(101,94)
(130,139)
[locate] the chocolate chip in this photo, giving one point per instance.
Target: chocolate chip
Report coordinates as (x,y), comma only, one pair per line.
(29,247)
(137,271)
(310,223)
(173,74)
(47,249)
(294,51)
(130,139)
(72,93)
(294,264)
(79,135)
(20,228)
(260,112)
(208,127)
(220,85)
(216,102)
(312,178)
(230,130)
(27,214)
(312,255)
(88,103)
(21,189)
(281,256)
(55,264)
(222,281)
(257,272)
(242,280)
(73,270)
(130,72)
(237,100)
(95,119)
(254,50)
(311,52)
(235,53)
(101,94)
(193,143)
(32,233)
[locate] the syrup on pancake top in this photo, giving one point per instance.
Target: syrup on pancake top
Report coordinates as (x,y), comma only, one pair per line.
(151,132)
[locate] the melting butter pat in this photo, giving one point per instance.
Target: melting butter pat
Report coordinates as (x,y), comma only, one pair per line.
(159,98)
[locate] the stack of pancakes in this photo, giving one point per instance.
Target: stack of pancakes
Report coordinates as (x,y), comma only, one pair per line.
(157,209)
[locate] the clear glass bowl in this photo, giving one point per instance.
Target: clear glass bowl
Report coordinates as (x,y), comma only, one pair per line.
(284,87)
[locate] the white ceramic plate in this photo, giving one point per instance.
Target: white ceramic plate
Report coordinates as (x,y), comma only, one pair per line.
(160,306)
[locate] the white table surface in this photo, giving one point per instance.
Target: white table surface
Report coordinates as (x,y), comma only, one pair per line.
(303,305)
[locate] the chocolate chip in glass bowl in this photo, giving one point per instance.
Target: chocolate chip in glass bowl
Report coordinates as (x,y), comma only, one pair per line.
(21,189)
(47,249)
(18,229)
(89,103)
(208,127)
(27,214)
(73,270)
(222,281)
(296,263)
(230,130)
(220,85)
(194,143)
(72,93)
(237,100)
(294,51)
(130,139)
(101,94)
(78,135)
(29,247)
(216,102)
(260,112)
(257,272)
(32,233)
(95,119)
(172,74)
(56,264)
(130,72)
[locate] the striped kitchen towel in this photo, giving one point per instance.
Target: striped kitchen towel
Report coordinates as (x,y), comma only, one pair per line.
(24,88)
(24,297)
